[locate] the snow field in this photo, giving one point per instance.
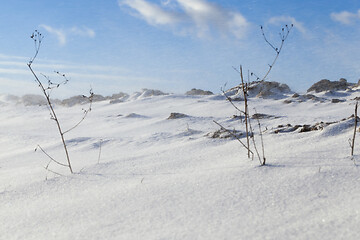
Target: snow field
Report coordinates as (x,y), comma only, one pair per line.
(164,179)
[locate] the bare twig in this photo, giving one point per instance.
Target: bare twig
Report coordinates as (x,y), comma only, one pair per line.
(99,150)
(37,37)
(51,158)
(234,135)
(49,103)
(47,169)
(232,103)
(254,142)
(262,142)
(355,126)
(244,88)
(283,36)
(85,112)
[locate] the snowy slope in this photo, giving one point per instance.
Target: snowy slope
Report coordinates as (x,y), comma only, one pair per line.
(162,178)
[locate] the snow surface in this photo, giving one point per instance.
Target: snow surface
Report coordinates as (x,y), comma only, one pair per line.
(160,178)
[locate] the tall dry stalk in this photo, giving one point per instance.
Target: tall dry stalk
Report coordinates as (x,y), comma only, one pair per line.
(285,31)
(355,126)
(263,161)
(37,37)
(244,88)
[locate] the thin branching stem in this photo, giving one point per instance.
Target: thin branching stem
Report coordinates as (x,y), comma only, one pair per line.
(100,143)
(283,36)
(53,114)
(84,116)
(47,169)
(232,103)
(244,88)
(355,126)
(51,158)
(37,39)
(234,135)
(263,162)
(254,142)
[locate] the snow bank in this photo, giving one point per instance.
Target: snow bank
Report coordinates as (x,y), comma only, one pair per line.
(6,98)
(151,178)
(263,89)
(195,92)
(327,85)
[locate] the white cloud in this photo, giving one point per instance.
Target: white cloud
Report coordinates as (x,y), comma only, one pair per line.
(166,2)
(237,24)
(190,16)
(288,20)
(62,34)
(345,17)
(84,32)
(15,71)
(151,13)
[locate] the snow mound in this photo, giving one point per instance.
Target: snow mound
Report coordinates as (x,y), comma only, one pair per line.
(226,134)
(135,115)
(75,100)
(145,93)
(5,99)
(327,85)
(119,97)
(35,100)
(304,97)
(26,100)
(32,99)
(176,115)
(194,92)
(345,126)
(262,89)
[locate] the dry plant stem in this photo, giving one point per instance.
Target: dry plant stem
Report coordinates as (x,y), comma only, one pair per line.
(244,88)
(262,144)
(254,143)
(51,158)
(232,103)
(84,116)
(99,150)
(283,36)
(47,169)
(53,115)
(355,126)
(263,161)
(232,134)
(37,37)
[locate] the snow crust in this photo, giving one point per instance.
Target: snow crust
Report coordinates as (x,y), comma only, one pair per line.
(160,178)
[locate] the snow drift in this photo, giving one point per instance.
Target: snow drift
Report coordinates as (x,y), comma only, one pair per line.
(140,175)
(263,89)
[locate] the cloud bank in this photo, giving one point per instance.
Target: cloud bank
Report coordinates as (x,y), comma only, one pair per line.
(289,20)
(59,34)
(345,17)
(190,17)
(62,34)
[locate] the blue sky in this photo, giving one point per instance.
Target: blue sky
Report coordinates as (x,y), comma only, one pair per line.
(176,45)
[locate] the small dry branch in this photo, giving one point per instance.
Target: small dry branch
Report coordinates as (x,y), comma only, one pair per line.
(285,31)
(37,37)
(355,126)
(100,143)
(254,142)
(234,135)
(263,162)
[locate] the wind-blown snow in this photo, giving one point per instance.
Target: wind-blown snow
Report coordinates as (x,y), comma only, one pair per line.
(161,178)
